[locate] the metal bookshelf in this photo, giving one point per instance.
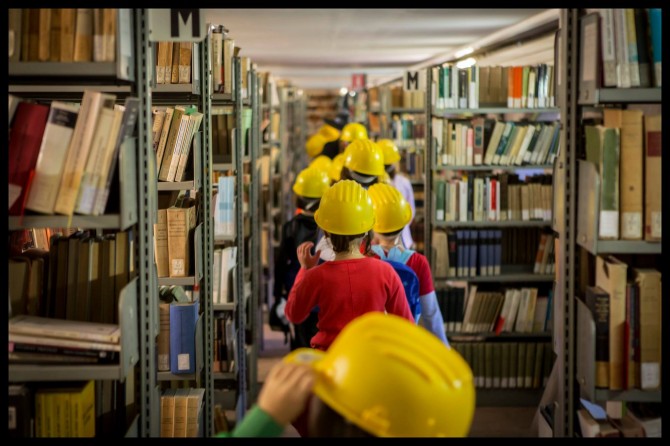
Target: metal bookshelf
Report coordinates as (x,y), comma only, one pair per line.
(48,81)
(492,224)
(486,168)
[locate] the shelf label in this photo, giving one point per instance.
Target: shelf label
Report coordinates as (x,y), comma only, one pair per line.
(414,81)
(176,25)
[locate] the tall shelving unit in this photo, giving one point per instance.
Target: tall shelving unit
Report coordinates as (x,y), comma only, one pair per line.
(127,76)
(515,277)
(246,277)
(200,283)
(578,229)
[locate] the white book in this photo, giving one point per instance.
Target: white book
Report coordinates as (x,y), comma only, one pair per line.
(217,59)
(524,145)
(63,342)
(51,159)
(65,329)
(463,199)
(621,46)
(168,170)
(102,148)
(532,74)
(216,276)
(196,119)
(80,144)
(513,311)
(608,54)
(520,325)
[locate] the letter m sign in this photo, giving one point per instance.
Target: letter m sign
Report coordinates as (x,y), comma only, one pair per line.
(172,25)
(414,81)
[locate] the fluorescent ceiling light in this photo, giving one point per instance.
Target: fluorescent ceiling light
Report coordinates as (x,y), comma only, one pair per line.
(465,63)
(463,52)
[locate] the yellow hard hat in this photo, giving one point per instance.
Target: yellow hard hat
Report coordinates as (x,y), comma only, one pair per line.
(321,162)
(390,151)
(314,144)
(392,211)
(311,183)
(329,132)
(393,378)
(384,178)
(335,170)
(364,156)
(353,131)
(345,209)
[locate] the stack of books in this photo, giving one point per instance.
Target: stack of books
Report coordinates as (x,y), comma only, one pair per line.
(40,340)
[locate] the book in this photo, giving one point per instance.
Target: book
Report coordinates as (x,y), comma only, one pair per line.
(25,140)
(631,200)
(161,244)
(20,402)
(597,300)
(180,222)
(92,104)
(194,412)
(167,413)
(183,317)
(655,22)
(83,35)
(611,277)
(53,149)
(649,285)
(602,148)
(652,174)
(61,328)
(180,408)
(163,339)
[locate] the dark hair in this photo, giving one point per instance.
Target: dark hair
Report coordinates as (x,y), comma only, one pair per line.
(341,242)
(346,175)
(390,169)
(323,421)
(391,234)
(308,204)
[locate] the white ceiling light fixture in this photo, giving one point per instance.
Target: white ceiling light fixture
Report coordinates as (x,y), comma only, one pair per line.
(466,63)
(464,52)
(343,91)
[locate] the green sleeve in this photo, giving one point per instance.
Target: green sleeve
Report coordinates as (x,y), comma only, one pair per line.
(256,423)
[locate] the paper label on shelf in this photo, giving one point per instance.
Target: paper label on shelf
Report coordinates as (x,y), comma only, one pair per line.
(440,215)
(656,224)
(163,362)
(178,267)
(609,224)
(183,360)
(650,375)
(632,225)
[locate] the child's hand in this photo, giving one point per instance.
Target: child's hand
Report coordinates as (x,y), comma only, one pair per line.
(306,259)
(285,391)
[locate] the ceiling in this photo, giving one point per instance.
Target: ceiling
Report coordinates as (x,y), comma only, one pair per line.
(322,48)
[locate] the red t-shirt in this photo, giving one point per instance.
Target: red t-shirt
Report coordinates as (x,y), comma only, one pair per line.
(420,266)
(344,290)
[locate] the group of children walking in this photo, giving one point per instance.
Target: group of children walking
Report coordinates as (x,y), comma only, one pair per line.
(361,307)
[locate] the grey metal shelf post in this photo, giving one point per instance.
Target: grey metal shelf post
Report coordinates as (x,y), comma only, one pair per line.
(208,232)
(148,284)
(254,204)
(238,154)
(428,162)
(564,330)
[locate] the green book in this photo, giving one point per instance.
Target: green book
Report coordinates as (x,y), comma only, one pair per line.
(497,364)
(524,86)
(513,364)
(609,192)
(521,365)
(530,366)
(539,363)
(440,200)
(488,365)
(504,141)
(505,364)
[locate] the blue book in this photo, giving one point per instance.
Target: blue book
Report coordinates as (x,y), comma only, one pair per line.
(459,252)
(490,261)
(498,251)
(183,318)
(655,21)
(473,252)
(466,253)
(483,254)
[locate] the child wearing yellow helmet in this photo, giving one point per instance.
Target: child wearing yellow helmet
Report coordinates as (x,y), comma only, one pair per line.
(309,186)
(399,181)
(382,377)
(392,214)
(346,216)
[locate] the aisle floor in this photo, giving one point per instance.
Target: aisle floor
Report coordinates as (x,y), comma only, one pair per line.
(488,421)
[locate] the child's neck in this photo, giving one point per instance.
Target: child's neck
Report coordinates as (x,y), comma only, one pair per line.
(348,255)
(387,244)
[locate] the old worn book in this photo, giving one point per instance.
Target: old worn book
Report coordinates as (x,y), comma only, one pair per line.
(83,35)
(167,413)
(180,222)
(185,62)
(161,244)
(61,328)
(68,23)
(649,284)
(597,300)
(163,338)
(652,171)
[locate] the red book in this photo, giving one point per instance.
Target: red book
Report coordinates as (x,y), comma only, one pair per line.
(25,139)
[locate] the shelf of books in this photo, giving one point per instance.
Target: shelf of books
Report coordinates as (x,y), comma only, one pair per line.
(618,222)
(76,222)
(489,233)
